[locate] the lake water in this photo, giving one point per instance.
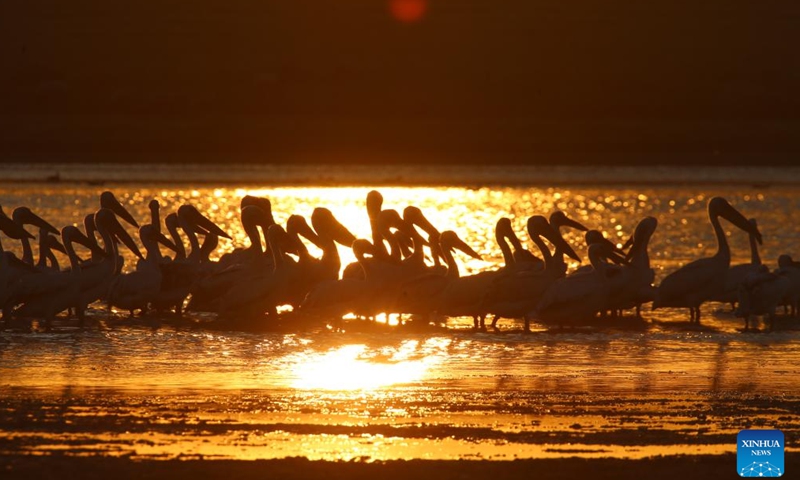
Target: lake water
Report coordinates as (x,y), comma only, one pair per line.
(159,389)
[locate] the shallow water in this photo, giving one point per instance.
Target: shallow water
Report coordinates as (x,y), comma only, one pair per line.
(373,391)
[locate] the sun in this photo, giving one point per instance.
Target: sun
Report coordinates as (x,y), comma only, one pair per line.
(408,11)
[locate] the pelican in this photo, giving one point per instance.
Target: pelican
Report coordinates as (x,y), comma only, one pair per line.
(48,294)
(464,296)
(309,271)
(502,235)
(255,212)
(180,275)
(359,296)
(47,244)
(433,293)
(594,236)
(379,233)
(137,289)
(96,277)
(109,201)
(760,293)
(414,217)
(558,220)
(240,265)
(522,258)
(374,208)
(702,279)
(387,265)
(193,222)
(264,295)
(579,296)
(516,295)
(326,234)
(634,285)
(737,273)
(172,224)
(7,274)
(262,292)
(24,216)
(175,280)
(790,269)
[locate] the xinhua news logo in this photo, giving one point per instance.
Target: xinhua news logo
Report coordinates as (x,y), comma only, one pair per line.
(759,453)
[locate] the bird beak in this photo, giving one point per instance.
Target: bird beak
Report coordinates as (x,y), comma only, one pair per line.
(163,240)
(325,223)
(296,225)
(735,217)
(197,219)
(13,230)
(109,201)
(71,234)
(452,241)
(568,222)
(54,244)
(23,215)
(557,240)
(628,243)
(616,257)
(414,216)
(123,236)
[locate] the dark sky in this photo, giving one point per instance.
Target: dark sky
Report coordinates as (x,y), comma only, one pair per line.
(342,80)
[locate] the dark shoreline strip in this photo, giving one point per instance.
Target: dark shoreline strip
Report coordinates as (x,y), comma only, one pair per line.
(89,468)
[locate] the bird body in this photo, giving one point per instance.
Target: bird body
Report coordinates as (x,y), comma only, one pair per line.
(703,279)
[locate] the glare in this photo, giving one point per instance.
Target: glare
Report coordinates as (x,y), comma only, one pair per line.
(348,368)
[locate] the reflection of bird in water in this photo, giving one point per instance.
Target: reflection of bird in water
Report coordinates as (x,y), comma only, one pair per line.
(699,281)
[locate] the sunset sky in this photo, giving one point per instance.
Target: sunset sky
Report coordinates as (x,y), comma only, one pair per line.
(405,80)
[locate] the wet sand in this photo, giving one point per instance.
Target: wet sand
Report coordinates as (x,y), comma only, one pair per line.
(85,434)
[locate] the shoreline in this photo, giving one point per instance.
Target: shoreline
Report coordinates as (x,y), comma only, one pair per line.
(321,175)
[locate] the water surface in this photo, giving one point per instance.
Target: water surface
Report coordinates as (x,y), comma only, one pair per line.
(161,388)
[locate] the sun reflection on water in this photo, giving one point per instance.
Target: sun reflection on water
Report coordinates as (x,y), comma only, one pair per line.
(356,367)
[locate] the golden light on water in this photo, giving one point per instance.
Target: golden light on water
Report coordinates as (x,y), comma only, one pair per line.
(352,367)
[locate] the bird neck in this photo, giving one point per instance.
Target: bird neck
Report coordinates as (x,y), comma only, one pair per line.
(755,258)
(723,249)
(27,251)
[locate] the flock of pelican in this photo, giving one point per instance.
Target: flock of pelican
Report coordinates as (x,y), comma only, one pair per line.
(407,267)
